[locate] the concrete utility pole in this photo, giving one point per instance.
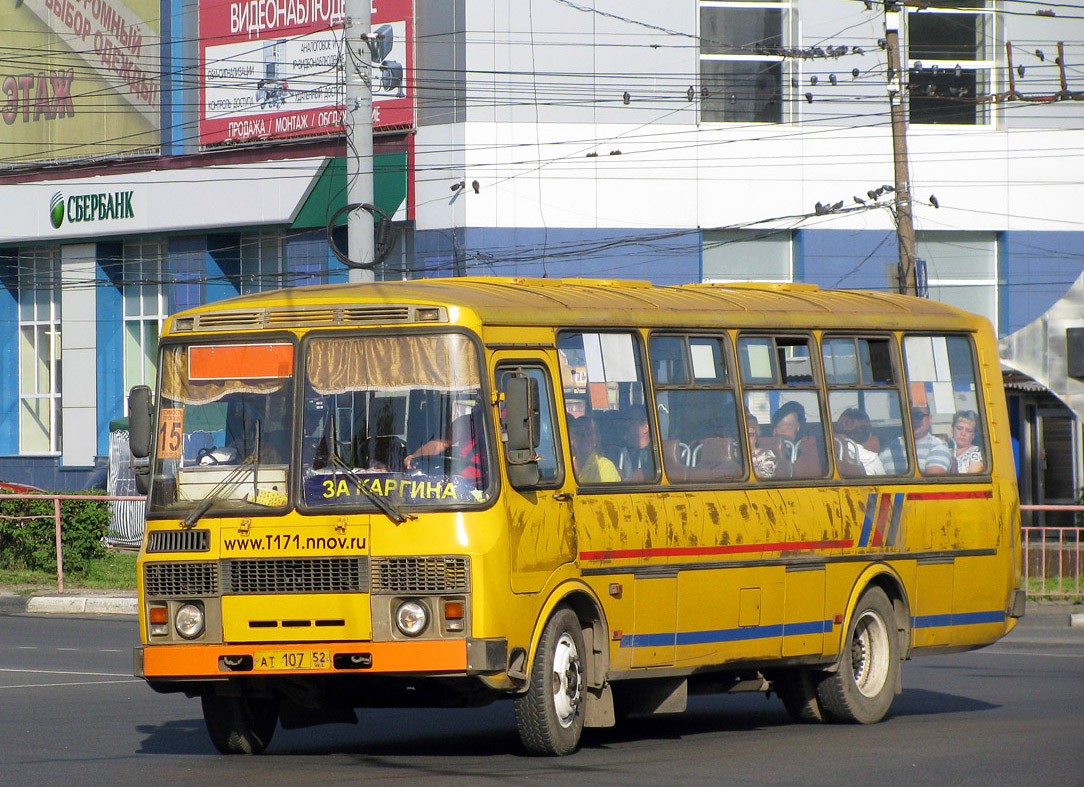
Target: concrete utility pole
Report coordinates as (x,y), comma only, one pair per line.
(905,228)
(361,243)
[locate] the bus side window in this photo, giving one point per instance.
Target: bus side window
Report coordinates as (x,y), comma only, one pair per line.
(782,398)
(610,432)
(946,413)
(549,465)
(864,406)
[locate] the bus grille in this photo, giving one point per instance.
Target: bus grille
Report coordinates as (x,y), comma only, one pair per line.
(181,579)
(179,541)
(296,575)
(438,574)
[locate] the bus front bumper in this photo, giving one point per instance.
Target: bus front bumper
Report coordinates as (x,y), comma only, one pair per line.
(421,657)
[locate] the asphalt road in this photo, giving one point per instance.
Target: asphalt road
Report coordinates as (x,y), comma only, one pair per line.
(1011,714)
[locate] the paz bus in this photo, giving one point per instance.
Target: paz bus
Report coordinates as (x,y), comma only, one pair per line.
(593,498)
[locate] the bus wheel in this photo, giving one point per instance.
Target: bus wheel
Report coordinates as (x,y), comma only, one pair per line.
(240,725)
(862,689)
(798,690)
(549,716)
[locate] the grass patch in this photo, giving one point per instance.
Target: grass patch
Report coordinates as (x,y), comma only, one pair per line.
(1055,587)
(116,570)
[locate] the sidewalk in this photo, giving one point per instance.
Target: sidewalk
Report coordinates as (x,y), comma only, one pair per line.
(76,602)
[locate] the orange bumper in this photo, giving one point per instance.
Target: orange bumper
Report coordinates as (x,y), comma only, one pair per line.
(187,662)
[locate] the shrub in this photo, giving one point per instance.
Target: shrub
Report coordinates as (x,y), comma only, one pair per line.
(31,543)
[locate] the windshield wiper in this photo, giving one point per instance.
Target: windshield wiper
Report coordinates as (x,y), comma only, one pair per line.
(216,492)
(386,507)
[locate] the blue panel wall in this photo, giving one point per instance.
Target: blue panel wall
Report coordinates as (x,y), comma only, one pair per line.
(306,259)
(188,263)
(1037,268)
(109,342)
(659,256)
(9,352)
(843,259)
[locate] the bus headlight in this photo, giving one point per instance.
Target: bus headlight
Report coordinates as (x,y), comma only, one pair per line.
(189,621)
(411,617)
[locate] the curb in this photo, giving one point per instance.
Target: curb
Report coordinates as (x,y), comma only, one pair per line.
(70,605)
(1076,621)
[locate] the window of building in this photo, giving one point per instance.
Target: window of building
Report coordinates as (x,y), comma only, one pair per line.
(951,61)
(144,310)
(741,64)
(746,255)
(39,351)
(261,263)
(961,269)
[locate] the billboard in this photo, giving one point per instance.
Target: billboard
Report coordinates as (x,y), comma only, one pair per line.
(79,79)
(273,69)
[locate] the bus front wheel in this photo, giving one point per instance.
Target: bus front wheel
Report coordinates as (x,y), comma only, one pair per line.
(549,716)
(862,689)
(240,725)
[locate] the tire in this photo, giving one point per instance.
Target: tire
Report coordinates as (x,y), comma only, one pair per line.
(798,690)
(862,689)
(549,716)
(240,725)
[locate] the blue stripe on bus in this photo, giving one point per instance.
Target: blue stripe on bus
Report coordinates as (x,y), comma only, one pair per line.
(725,635)
(958,619)
(867,524)
(897,512)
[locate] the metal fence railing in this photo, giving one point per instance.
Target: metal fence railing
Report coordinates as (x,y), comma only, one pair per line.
(1052,556)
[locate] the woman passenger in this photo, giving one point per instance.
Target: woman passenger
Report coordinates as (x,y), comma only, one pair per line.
(965,439)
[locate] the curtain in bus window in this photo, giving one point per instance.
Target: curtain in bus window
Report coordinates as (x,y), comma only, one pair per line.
(342,365)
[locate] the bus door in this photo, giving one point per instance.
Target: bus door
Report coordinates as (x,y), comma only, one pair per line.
(541,536)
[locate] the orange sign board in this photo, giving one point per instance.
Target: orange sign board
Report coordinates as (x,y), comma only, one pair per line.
(240,361)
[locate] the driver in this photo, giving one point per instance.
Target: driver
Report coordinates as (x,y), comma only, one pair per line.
(462,443)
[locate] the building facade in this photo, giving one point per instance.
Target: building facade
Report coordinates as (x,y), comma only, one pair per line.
(707,140)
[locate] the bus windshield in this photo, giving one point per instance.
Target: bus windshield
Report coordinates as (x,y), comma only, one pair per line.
(224,420)
(399,417)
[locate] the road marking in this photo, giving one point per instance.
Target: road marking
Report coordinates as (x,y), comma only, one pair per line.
(79,683)
(66,672)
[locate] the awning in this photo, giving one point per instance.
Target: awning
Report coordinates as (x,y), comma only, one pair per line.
(328,192)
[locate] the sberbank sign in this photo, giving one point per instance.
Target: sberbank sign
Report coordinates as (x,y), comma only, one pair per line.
(106,206)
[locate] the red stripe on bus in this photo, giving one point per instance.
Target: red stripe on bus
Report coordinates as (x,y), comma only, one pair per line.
(731,549)
(982,494)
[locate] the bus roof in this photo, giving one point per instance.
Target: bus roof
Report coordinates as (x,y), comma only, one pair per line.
(568,302)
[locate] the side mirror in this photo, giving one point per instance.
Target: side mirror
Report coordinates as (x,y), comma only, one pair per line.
(523,423)
(139,421)
(139,435)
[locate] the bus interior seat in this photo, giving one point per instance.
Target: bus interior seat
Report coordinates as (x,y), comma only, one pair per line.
(847,458)
(672,459)
(810,462)
(716,457)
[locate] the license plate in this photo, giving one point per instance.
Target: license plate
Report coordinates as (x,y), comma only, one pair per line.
(291,659)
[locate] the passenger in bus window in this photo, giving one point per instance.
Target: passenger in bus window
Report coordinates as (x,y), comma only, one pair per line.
(460,444)
(590,466)
(966,453)
(934,457)
(787,423)
(765,463)
(636,460)
(853,426)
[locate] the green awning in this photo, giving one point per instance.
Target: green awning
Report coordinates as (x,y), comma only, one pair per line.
(328,192)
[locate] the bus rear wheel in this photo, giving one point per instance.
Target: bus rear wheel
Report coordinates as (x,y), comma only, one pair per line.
(549,716)
(240,725)
(798,690)
(862,689)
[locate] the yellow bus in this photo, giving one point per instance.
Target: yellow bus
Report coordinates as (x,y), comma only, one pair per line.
(591,497)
